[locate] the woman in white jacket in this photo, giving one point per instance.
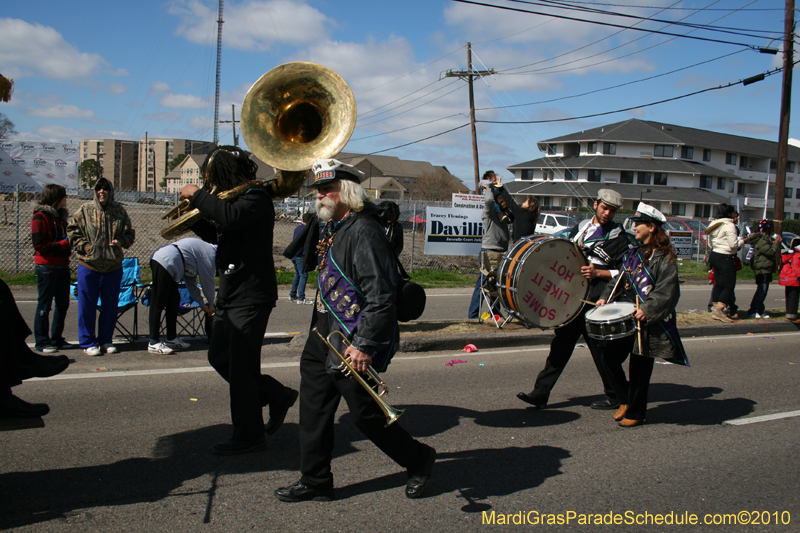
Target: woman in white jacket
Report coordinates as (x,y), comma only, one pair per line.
(723,243)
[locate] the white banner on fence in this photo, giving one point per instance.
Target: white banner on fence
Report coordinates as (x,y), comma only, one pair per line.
(682,242)
(467,201)
(33,165)
(453,231)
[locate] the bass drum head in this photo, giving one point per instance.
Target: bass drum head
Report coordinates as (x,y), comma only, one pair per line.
(548,283)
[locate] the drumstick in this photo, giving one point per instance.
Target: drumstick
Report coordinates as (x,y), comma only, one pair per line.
(588,302)
(639,327)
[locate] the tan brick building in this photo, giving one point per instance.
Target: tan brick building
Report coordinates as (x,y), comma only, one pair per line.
(119,159)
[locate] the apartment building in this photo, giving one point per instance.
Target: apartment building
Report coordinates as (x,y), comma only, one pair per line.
(155,154)
(119,159)
(683,171)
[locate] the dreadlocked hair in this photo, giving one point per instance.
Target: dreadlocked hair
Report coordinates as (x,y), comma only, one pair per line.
(226,167)
(659,240)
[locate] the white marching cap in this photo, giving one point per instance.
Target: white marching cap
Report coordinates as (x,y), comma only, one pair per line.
(648,213)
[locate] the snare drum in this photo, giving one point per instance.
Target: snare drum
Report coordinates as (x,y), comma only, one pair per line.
(611,321)
(540,281)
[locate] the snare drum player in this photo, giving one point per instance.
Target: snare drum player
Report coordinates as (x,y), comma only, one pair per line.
(603,242)
(357,285)
(649,280)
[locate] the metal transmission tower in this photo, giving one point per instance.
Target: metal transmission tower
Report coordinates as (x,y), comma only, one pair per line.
(219,69)
(469,74)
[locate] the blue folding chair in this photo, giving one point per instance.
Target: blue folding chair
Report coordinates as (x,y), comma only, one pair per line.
(191,319)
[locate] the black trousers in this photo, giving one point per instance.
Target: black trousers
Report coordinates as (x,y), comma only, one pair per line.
(163,295)
(724,278)
(561,349)
(320,393)
(235,353)
(15,353)
(631,392)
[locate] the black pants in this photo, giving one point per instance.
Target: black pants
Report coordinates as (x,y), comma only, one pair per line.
(235,353)
(163,295)
(631,392)
(15,353)
(561,349)
(724,279)
(792,297)
(320,393)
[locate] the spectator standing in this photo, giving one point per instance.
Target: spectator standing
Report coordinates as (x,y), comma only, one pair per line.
(51,257)
(765,252)
(524,216)
(724,242)
(789,277)
(98,233)
(190,259)
(298,291)
(394,229)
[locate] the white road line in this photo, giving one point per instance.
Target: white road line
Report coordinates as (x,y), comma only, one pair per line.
(763,418)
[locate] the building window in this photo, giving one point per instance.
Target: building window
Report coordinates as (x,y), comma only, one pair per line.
(703,211)
(743,162)
(548,175)
(626,176)
(730,159)
(679,209)
(610,148)
(773,165)
(730,187)
(570,174)
(526,174)
(594,175)
(797,193)
(551,149)
(706,154)
(741,188)
(547,201)
(788,193)
(663,150)
(721,184)
(687,152)
(643,178)
(790,166)
(591,148)
(660,178)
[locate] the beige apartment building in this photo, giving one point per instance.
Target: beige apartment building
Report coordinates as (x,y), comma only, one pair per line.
(154,162)
(119,159)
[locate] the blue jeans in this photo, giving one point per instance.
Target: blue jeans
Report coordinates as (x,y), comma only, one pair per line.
(298,290)
(762,288)
(92,285)
(53,283)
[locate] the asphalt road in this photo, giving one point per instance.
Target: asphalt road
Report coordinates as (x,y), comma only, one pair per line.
(128,448)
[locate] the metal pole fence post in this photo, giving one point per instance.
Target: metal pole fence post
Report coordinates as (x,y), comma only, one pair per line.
(16,250)
(413,236)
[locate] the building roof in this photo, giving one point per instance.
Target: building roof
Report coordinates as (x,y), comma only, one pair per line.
(611,162)
(629,191)
(391,166)
(645,131)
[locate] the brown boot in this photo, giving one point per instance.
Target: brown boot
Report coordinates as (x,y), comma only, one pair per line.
(620,414)
(718,312)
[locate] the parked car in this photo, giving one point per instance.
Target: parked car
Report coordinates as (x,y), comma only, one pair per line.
(560,234)
(549,223)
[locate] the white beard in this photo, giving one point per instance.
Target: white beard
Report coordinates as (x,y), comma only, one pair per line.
(325,209)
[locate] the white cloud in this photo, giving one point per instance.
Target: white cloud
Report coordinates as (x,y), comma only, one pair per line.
(60,111)
(254,25)
(159,87)
(58,133)
(200,122)
(28,50)
(183,101)
(117,88)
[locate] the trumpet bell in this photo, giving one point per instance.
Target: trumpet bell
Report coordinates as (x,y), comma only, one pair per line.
(297,113)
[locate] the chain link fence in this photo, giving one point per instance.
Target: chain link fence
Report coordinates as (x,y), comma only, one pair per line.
(147,208)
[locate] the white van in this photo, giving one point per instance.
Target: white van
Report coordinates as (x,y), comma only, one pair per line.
(549,224)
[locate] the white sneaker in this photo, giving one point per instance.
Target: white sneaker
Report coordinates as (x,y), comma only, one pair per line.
(160,348)
(110,348)
(49,350)
(93,351)
(764,316)
(305,302)
(177,342)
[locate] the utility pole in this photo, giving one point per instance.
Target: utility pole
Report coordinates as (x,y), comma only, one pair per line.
(219,69)
(233,123)
(469,74)
(786,102)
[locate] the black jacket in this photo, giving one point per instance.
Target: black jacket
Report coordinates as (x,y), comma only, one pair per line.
(524,223)
(244,255)
(611,251)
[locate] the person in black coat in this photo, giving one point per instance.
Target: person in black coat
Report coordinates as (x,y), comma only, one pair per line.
(248,290)
(393,228)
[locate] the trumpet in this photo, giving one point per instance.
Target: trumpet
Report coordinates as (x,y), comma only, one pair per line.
(377,391)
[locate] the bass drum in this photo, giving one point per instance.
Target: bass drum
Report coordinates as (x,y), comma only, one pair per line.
(540,281)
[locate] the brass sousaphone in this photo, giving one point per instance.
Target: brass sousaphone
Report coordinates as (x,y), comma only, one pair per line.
(293,115)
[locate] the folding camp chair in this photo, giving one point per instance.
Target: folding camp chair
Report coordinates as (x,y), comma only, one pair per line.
(490,297)
(191,319)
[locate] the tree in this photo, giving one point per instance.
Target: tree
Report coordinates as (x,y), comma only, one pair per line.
(438,185)
(6,127)
(90,171)
(177,160)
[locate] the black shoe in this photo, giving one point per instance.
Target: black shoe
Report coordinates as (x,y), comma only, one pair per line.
(235,447)
(44,366)
(62,343)
(277,413)
(13,407)
(303,493)
(419,479)
(606,404)
(534,398)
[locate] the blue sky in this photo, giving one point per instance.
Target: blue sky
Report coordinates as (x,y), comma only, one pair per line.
(89,69)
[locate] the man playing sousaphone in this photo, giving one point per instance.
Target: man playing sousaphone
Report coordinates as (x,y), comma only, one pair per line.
(650,280)
(356,296)
(247,294)
(603,242)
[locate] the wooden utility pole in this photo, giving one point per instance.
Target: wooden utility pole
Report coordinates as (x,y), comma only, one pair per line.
(786,103)
(469,74)
(233,123)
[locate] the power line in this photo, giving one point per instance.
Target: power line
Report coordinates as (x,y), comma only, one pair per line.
(672,8)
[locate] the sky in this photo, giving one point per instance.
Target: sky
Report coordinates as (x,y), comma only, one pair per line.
(91,69)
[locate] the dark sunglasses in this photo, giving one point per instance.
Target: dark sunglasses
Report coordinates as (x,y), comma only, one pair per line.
(103,189)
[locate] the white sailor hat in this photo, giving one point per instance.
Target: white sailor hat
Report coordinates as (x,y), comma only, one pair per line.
(327,170)
(648,213)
